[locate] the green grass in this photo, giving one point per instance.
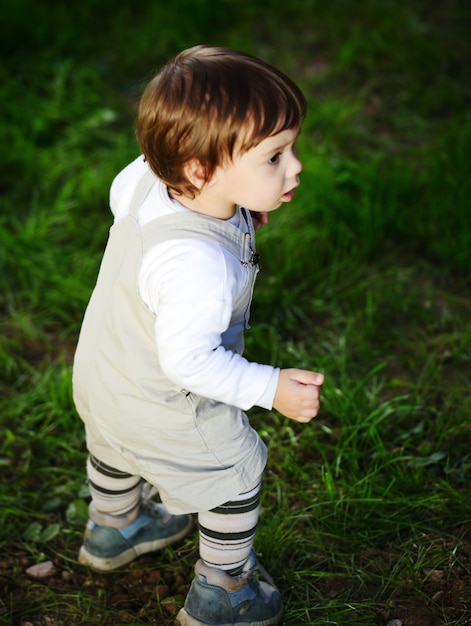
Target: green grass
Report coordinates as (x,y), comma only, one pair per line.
(365,277)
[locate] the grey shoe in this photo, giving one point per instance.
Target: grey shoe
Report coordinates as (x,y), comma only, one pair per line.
(217,599)
(105,549)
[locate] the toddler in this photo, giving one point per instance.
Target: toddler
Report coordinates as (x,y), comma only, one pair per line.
(159,379)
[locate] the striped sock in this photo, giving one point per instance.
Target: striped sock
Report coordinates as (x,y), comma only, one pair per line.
(227,532)
(115,494)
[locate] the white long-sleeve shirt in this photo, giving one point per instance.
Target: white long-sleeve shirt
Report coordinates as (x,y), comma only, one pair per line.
(191,286)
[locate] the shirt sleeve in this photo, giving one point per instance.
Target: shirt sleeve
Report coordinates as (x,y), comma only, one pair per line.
(192,287)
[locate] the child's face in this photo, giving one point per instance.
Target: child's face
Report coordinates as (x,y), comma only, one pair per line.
(262,178)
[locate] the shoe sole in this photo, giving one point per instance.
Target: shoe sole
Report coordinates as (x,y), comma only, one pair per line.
(108,564)
(185,619)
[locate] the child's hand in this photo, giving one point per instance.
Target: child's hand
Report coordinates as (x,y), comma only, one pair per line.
(297,395)
(259,219)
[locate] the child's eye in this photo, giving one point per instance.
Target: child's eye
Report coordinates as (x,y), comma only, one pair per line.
(274,159)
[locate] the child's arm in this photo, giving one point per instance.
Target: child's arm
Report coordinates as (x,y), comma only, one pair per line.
(192,286)
(297,394)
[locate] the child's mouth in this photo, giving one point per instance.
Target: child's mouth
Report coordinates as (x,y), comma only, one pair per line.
(288,196)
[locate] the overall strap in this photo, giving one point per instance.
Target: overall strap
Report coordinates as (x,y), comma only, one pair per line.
(189,225)
(184,225)
(143,187)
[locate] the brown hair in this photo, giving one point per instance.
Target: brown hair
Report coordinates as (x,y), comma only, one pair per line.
(205,103)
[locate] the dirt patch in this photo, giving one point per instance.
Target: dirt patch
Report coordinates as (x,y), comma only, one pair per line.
(151,591)
(71,594)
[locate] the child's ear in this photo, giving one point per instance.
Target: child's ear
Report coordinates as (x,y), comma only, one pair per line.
(196,174)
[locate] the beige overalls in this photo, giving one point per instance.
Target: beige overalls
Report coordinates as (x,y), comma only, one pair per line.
(198,452)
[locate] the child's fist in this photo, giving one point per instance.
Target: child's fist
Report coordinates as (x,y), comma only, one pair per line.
(298,395)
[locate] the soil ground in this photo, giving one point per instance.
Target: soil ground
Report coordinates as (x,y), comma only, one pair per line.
(150,590)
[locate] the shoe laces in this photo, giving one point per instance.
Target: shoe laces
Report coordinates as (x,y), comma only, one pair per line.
(148,492)
(255,570)
(258,568)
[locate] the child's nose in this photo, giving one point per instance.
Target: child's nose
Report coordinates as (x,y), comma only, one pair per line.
(295,166)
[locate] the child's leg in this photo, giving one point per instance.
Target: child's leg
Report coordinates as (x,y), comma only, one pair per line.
(115,495)
(121,526)
(227,532)
(225,589)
